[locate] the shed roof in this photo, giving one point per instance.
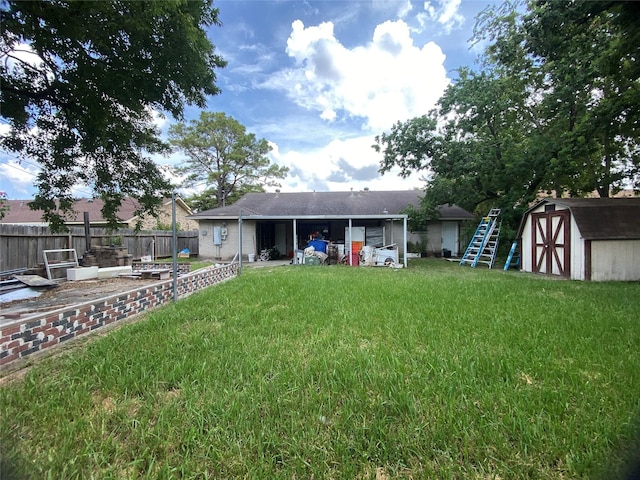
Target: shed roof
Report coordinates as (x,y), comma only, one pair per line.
(600,218)
(328,204)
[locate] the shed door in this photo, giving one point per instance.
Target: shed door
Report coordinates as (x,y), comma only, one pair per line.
(551,243)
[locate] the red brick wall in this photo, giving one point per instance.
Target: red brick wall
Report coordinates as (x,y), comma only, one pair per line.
(42,331)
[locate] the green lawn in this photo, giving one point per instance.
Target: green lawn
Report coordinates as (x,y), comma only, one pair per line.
(195,262)
(294,372)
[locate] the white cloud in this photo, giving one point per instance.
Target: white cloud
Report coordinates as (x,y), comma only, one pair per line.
(445,12)
(386,80)
(17,179)
(159,119)
(338,166)
(22,57)
(405,9)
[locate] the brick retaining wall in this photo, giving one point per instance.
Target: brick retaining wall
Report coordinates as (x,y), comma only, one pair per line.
(45,330)
(183,267)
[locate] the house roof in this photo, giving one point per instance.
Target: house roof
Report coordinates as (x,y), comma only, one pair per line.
(600,218)
(20,213)
(327,204)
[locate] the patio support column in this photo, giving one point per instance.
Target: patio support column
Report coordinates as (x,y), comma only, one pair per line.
(295,242)
(405,241)
(350,243)
(240,242)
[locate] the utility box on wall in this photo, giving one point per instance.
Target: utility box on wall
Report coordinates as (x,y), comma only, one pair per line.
(217,235)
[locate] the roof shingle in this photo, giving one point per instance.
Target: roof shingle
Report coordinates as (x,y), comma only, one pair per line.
(329,204)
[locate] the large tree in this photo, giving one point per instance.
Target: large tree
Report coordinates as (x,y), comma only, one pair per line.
(80,82)
(586,55)
(555,108)
(224,158)
(469,145)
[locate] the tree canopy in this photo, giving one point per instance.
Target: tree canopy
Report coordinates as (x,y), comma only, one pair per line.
(221,155)
(554,107)
(80,82)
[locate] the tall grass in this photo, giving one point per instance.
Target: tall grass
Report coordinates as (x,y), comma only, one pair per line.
(437,371)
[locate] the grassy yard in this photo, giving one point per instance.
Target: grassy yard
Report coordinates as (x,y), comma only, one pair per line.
(195,262)
(437,371)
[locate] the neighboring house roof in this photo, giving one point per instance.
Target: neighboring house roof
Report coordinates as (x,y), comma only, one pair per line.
(20,213)
(600,218)
(327,204)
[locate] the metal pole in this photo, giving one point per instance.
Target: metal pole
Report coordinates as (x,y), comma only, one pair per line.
(405,241)
(240,242)
(295,241)
(87,232)
(350,242)
(175,247)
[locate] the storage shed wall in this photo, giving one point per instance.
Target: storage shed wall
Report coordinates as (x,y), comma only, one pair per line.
(577,253)
(615,260)
(577,246)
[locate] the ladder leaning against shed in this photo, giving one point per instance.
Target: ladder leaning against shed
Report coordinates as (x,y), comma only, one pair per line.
(484,244)
(514,255)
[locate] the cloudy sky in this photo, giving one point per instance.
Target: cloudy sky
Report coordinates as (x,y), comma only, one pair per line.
(319,80)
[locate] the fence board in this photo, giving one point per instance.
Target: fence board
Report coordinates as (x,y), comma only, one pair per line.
(21,246)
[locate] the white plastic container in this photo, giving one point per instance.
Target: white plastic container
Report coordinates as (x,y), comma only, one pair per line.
(82,273)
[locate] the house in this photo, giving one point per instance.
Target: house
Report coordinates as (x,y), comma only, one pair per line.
(20,214)
(582,238)
(288,221)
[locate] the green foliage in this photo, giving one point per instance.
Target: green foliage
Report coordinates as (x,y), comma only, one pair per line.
(555,108)
(274,253)
(419,246)
(409,145)
(115,240)
(166,226)
(82,105)
(288,372)
(4,205)
(582,65)
(208,198)
(223,156)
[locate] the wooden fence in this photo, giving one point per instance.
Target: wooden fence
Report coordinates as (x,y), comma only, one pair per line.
(21,246)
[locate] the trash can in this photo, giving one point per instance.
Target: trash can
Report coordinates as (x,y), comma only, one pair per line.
(446,253)
(355,259)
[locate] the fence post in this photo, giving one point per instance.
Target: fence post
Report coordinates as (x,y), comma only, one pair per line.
(87,231)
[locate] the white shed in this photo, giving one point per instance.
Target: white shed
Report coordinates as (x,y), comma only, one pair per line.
(582,238)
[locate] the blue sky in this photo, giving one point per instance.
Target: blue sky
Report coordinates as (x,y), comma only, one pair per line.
(319,80)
